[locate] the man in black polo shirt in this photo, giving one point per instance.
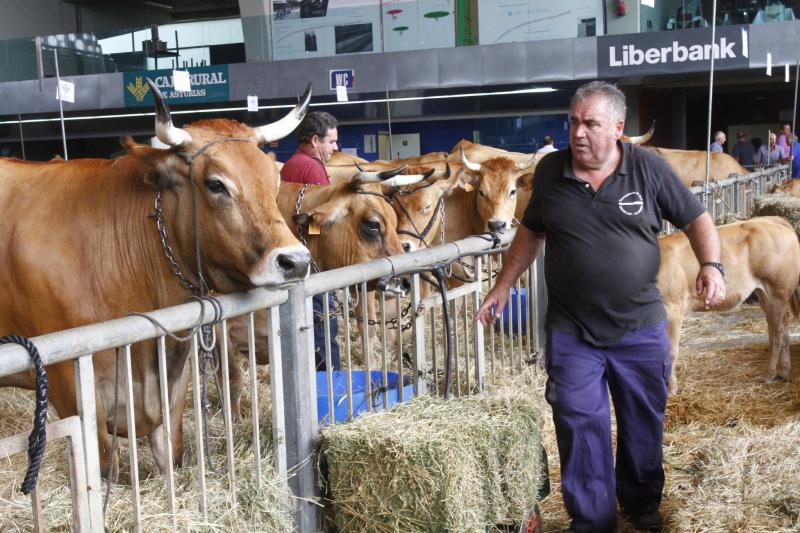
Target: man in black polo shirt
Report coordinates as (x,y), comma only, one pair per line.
(599,206)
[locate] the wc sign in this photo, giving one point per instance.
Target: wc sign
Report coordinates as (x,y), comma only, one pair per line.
(342,78)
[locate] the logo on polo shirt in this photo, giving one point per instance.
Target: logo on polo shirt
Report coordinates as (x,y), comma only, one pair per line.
(631,204)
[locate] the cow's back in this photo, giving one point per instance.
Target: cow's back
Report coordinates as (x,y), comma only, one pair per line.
(690,165)
(762,250)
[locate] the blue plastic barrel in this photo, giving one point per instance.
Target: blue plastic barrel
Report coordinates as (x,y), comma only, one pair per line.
(360,404)
(510,312)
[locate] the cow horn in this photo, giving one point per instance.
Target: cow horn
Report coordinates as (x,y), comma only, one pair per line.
(640,139)
(166,132)
(475,167)
(527,164)
(365,176)
(407,179)
(286,125)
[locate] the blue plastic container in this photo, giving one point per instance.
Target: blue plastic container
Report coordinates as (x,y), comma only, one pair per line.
(510,312)
(360,404)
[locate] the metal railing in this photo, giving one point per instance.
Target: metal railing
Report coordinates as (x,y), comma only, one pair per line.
(80,345)
(401,338)
(403,334)
(735,196)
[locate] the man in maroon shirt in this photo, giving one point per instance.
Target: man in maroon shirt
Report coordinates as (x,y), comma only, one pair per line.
(317,139)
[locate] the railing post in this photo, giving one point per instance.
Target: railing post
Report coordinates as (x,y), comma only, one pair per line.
(87,411)
(300,407)
(477,298)
(418,332)
(541,304)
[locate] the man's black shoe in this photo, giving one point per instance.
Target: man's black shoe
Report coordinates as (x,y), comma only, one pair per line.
(648,522)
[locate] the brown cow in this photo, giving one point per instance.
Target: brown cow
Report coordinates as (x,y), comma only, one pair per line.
(353,224)
(791,187)
(690,165)
(80,247)
(761,254)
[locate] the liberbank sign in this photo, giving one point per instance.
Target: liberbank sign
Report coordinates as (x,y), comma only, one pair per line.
(678,51)
(209,84)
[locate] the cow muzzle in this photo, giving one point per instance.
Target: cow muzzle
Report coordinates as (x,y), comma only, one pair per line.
(283,265)
(497,225)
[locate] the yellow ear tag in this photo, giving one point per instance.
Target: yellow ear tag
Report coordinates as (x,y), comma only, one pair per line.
(313,229)
(468,187)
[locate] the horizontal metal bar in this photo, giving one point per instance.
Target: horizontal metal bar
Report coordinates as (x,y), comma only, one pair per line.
(72,343)
(400,264)
(739,179)
(452,294)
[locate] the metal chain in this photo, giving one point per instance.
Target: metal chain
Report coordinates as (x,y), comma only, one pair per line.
(441,226)
(162,232)
(297,211)
(297,207)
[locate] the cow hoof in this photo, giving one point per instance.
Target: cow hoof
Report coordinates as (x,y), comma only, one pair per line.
(768,378)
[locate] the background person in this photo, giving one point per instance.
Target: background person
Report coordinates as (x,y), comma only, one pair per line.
(719,140)
(317,139)
(770,153)
(795,159)
(548,147)
(743,150)
(598,206)
(785,139)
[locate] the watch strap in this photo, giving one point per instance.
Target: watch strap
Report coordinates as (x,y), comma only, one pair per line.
(716,265)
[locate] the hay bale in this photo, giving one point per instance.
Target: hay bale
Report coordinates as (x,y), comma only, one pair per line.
(779,204)
(435,465)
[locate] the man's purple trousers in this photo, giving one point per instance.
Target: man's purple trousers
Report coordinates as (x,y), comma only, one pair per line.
(580,377)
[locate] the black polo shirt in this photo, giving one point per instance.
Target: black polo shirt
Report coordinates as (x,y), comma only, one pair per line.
(602,254)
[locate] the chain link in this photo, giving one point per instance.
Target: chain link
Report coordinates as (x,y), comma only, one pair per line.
(297,207)
(162,232)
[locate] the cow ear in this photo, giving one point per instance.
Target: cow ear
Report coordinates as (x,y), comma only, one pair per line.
(166,170)
(525,181)
(330,212)
(302,219)
(444,186)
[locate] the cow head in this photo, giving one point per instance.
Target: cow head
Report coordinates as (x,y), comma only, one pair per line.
(418,211)
(217,164)
(357,222)
(494,184)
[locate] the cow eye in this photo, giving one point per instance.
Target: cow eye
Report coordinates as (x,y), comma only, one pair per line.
(513,192)
(216,186)
(481,192)
(372,226)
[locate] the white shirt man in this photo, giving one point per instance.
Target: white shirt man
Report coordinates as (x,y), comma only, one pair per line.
(548,146)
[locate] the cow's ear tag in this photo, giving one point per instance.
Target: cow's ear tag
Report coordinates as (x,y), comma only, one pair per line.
(313,229)
(468,187)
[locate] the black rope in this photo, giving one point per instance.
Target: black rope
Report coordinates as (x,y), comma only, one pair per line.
(38,435)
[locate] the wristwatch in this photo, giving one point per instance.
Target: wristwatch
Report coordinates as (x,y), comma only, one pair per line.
(718,266)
